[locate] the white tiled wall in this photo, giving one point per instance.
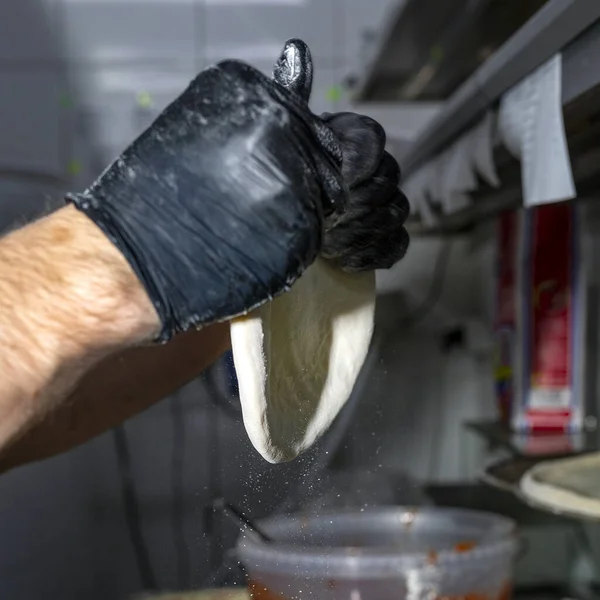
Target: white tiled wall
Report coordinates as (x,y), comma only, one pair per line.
(118,50)
(29,32)
(255,32)
(29,107)
(99,32)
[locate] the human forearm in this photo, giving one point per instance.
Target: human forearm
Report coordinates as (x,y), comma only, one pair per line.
(115,390)
(67,300)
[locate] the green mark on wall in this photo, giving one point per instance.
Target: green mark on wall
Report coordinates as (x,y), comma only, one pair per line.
(144,100)
(334,93)
(74,167)
(436,53)
(65,101)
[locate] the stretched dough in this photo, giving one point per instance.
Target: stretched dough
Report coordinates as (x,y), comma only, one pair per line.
(568,485)
(297,358)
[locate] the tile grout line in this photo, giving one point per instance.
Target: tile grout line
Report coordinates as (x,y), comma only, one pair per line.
(65,133)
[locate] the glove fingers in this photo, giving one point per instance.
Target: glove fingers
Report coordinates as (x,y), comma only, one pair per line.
(388,172)
(369,236)
(380,187)
(363,143)
(374,194)
(399,208)
(294,69)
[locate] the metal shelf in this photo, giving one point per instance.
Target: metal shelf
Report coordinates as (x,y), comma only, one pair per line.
(427,48)
(538,446)
(581,106)
(478,496)
(557,27)
(503,477)
(571,27)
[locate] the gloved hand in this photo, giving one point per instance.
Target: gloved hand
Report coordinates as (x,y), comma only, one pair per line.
(367,232)
(222,202)
(219,205)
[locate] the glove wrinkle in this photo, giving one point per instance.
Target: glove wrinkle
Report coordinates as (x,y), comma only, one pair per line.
(369,233)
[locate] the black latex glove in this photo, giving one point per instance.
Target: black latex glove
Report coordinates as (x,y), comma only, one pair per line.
(367,232)
(218,206)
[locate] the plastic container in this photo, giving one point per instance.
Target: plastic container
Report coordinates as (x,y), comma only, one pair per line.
(383,554)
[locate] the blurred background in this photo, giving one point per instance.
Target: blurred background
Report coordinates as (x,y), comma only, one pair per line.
(131,510)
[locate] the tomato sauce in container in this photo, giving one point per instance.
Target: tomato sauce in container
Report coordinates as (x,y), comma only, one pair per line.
(383,554)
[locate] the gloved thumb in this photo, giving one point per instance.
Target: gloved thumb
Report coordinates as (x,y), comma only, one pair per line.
(294,69)
(294,72)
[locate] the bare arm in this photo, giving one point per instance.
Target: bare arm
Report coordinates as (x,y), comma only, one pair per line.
(117,389)
(68,302)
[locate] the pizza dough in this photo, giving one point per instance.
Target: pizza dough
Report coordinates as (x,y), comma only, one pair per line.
(297,358)
(568,485)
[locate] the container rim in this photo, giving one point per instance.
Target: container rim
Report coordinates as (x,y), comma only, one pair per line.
(500,543)
(502,537)
(501,529)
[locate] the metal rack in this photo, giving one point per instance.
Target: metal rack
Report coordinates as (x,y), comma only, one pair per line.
(496,488)
(480,496)
(538,446)
(571,27)
(523,451)
(427,48)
